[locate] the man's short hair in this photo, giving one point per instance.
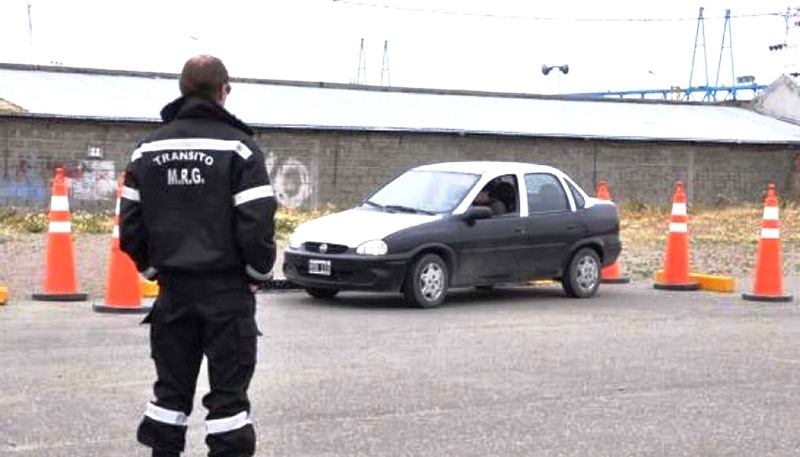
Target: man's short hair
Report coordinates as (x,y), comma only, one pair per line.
(202,75)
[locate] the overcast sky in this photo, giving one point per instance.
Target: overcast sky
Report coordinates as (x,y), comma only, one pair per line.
(497,45)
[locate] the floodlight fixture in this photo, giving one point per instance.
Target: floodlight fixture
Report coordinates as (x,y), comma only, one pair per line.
(546,69)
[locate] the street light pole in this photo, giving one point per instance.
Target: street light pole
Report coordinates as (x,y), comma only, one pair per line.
(563,70)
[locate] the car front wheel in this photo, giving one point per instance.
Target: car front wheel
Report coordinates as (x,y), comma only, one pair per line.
(426,281)
(321,292)
(582,277)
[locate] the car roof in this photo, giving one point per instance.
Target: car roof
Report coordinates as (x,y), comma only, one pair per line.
(485,166)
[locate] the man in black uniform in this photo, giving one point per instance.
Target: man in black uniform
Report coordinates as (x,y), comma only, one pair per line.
(197,213)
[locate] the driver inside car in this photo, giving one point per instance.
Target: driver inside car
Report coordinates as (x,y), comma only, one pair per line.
(486,198)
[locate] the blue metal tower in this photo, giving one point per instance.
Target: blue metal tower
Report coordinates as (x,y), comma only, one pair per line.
(741,84)
(726,30)
(700,25)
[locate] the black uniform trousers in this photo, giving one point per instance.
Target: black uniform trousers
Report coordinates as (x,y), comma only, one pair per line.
(211,315)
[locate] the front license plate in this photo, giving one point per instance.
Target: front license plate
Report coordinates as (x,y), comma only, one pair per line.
(319,267)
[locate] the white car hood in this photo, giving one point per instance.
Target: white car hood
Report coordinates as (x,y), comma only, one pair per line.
(355,226)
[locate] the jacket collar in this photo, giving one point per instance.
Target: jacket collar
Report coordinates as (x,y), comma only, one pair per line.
(193,107)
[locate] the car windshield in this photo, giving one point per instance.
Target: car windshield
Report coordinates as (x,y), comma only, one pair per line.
(424,191)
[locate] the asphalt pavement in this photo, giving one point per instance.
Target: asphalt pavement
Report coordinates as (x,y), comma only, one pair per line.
(511,372)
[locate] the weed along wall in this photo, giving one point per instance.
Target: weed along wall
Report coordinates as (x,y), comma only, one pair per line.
(314,168)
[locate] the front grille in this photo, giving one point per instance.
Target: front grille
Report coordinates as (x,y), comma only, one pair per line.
(329,248)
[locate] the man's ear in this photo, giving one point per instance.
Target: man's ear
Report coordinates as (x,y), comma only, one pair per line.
(221,95)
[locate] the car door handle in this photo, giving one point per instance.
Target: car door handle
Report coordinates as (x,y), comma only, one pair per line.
(519,230)
(572,226)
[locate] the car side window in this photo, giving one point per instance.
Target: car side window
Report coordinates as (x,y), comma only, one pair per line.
(545,193)
(580,202)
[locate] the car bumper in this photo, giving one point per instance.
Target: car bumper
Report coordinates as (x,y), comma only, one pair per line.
(347,272)
(612,251)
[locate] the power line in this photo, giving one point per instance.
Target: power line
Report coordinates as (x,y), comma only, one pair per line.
(540,18)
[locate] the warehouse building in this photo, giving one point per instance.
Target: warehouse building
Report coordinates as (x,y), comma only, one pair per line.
(331,144)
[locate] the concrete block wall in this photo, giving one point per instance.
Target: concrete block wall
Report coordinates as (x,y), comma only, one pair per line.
(350,165)
(713,174)
(31,148)
(312,169)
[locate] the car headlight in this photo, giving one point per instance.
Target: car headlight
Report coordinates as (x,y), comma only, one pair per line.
(373,247)
(294,241)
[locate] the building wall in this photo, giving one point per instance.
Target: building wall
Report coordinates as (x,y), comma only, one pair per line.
(315,168)
(781,100)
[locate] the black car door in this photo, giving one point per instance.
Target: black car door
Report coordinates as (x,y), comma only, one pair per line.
(489,250)
(551,226)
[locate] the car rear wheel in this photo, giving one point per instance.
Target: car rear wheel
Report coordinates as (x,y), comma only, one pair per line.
(321,292)
(582,277)
(426,281)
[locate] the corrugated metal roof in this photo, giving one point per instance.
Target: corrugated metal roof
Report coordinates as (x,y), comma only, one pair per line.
(128,95)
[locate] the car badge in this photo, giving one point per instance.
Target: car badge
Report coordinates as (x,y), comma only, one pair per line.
(323,248)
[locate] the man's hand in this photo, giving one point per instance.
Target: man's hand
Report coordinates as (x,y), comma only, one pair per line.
(256,285)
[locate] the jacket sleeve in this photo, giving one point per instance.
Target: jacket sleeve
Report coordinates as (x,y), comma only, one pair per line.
(132,230)
(255,204)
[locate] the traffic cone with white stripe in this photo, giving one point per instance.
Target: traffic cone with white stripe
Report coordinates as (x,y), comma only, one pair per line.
(676,258)
(60,277)
(123,294)
(768,282)
(611,274)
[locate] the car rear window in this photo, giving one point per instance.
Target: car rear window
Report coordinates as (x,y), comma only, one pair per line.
(580,202)
(545,193)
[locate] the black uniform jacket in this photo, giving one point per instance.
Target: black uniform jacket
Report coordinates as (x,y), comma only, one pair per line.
(197,197)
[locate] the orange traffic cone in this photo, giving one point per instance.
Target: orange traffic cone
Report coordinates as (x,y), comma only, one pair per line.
(611,274)
(123,294)
(603,192)
(676,259)
(768,283)
(60,277)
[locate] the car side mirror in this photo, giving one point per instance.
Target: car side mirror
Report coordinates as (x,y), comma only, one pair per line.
(473,213)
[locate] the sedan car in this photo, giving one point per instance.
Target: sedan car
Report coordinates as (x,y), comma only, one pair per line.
(459,224)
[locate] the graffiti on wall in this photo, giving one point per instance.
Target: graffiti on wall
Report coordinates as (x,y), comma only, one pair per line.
(291,180)
(28,181)
(23,182)
(94,181)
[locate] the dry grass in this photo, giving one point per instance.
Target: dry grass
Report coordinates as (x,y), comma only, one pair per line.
(723,241)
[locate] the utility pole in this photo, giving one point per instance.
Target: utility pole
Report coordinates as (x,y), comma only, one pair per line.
(385,66)
(792,60)
(362,66)
(791,23)
(30,33)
